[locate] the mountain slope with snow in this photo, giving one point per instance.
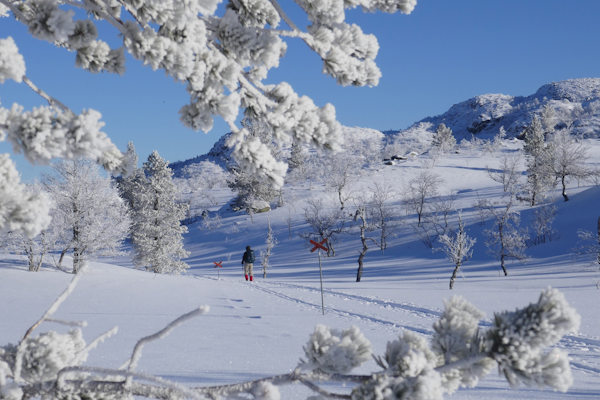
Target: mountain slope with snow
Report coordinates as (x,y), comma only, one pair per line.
(576,101)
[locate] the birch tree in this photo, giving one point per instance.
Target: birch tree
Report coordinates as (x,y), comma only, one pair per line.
(36,248)
(419,193)
(90,217)
(384,216)
(568,159)
(326,223)
(508,174)
(458,247)
(504,240)
(361,216)
(340,172)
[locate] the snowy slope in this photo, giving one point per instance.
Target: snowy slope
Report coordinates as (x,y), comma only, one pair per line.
(258,329)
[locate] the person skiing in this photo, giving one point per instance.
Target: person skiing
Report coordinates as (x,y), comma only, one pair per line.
(248,261)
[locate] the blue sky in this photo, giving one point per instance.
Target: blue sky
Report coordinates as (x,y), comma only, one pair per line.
(443,53)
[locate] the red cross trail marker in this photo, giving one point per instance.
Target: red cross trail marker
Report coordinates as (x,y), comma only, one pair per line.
(320,247)
(218,265)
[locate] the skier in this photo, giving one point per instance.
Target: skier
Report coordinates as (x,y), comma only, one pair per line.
(248,260)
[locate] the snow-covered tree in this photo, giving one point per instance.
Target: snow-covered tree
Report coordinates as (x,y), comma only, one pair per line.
(89,216)
(458,247)
(197,186)
(568,159)
(361,215)
(538,155)
(383,215)
(340,172)
(35,248)
(443,139)
(297,156)
(541,225)
(548,119)
(127,184)
(252,192)
(436,219)
(504,240)
(592,248)
(268,251)
(419,193)
(325,222)
(508,174)
(157,230)
(459,354)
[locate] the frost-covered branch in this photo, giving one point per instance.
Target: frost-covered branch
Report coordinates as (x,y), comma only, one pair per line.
(51,100)
(137,351)
(58,301)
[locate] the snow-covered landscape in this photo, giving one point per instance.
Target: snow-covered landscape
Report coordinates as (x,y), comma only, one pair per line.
(258,329)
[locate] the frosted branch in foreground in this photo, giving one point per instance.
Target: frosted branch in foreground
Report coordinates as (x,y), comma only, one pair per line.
(137,351)
(459,354)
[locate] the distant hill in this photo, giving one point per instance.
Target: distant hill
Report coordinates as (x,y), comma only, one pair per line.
(576,101)
(221,155)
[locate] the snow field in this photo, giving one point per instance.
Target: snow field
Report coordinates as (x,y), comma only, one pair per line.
(258,329)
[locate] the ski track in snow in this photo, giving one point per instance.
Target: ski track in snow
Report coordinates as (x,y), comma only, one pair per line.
(584,350)
(423,313)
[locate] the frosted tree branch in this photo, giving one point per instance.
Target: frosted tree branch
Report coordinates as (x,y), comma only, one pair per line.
(137,351)
(20,16)
(58,301)
(51,100)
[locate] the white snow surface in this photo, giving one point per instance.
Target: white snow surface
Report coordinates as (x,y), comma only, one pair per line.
(257,329)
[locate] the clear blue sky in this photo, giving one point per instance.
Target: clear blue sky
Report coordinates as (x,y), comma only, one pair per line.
(443,53)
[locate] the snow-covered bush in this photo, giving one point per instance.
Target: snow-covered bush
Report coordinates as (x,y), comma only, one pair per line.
(459,355)
(336,352)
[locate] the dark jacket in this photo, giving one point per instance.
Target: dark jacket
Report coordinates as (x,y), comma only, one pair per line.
(248,256)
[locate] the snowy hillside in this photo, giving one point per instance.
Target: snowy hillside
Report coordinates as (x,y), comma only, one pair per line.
(576,101)
(221,155)
(257,329)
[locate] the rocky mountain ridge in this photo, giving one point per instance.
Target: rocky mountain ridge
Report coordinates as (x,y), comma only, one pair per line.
(575,101)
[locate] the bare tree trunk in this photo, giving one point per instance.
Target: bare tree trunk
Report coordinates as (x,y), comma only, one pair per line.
(453,278)
(29,251)
(564,189)
(502,264)
(360,266)
(362,254)
(77,259)
(330,249)
(39,264)
(62,255)
(363,239)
